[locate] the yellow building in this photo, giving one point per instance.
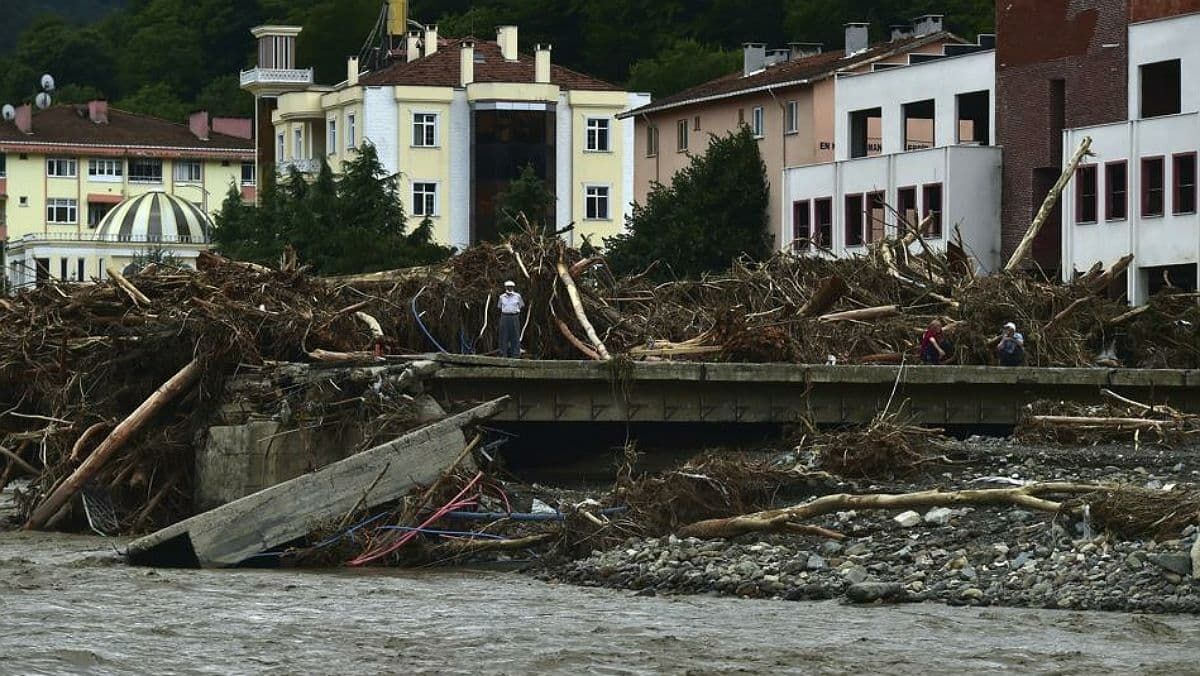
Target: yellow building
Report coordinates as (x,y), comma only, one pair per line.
(457,120)
(62,170)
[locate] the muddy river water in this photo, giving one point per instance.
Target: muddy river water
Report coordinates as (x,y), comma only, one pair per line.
(67,605)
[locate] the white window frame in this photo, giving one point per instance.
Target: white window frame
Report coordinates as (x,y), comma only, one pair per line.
(152,181)
(106,170)
(652,140)
(793,117)
(598,129)
(281,147)
(331,128)
(588,197)
(681,136)
(99,213)
(758,122)
(298,143)
(419,207)
(182,171)
(71,214)
(426,120)
(62,167)
(253,173)
(351,131)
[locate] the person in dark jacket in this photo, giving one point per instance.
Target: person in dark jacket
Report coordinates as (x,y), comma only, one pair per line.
(934,346)
(1011,347)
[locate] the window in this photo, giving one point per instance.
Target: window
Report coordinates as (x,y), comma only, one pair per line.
(651,141)
(758,123)
(1152,187)
(297,144)
(801,226)
(351,131)
(96,213)
(425,130)
(932,198)
(248,173)
(681,140)
(1116,186)
(741,116)
(332,144)
(1160,88)
(917,124)
(145,171)
(3,165)
(906,206)
(105,170)
(61,167)
(79,269)
(62,269)
(188,171)
(1086,208)
(1183,174)
(63,211)
(864,130)
(854,221)
(696,123)
(596,202)
(876,216)
(823,217)
(974,118)
(425,199)
(793,117)
(279,148)
(597,135)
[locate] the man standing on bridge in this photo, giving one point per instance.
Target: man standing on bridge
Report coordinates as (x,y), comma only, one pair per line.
(511,303)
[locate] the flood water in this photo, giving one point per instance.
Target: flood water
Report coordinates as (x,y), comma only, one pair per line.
(68,605)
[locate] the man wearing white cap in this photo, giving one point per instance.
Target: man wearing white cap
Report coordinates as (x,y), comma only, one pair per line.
(1011,346)
(511,303)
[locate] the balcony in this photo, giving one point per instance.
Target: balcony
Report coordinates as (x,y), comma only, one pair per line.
(279,79)
(303,166)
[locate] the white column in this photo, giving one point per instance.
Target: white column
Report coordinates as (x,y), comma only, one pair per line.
(629,158)
(459,137)
(564,190)
(381,126)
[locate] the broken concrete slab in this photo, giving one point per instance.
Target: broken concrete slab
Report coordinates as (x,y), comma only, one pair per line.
(232,533)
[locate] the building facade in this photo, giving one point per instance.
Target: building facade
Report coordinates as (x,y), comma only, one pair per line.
(62,170)
(786,96)
(1137,194)
(911,141)
(457,120)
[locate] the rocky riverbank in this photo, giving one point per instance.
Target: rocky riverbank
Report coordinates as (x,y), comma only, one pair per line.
(982,556)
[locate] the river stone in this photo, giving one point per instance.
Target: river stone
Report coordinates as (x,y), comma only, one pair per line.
(1196,558)
(939,516)
(855,574)
(869,592)
(1176,563)
(816,562)
(972,593)
(907,519)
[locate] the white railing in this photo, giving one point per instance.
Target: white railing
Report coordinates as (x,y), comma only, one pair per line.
(277,76)
(303,166)
(138,239)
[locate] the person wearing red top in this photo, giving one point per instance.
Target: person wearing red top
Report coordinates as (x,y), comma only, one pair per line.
(934,346)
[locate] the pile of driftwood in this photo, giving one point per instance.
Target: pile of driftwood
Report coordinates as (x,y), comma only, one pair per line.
(1118,419)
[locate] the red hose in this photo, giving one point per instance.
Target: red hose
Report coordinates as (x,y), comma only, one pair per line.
(455,503)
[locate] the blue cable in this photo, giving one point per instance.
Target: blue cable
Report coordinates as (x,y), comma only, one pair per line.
(522,516)
(421,324)
(455,533)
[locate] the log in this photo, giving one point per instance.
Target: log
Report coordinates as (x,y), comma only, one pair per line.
(1026,245)
(582,266)
(138,297)
(1144,408)
(828,294)
(175,386)
(372,324)
(1105,278)
(1029,497)
(579,344)
(577,305)
(1126,316)
(384,276)
(1102,422)
(865,314)
(18,462)
(1064,314)
(330,356)
(466,547)
(82,441)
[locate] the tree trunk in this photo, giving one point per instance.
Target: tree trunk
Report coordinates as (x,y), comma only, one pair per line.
(830,292)
(1022,251)
(865,314)
(577,305)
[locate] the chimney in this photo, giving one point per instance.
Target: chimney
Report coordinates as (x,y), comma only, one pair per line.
(541,64)
(803,50)
(198,123)
(237,127)
(466,63)
(431,44)
(352,71)
(754,57)
(506,37)
(776,56)
(24,119)
(98,111)
(901,32)
(927,25)
(412,46)
(858,37)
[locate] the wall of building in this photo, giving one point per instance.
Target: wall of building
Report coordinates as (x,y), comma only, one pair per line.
(590,168)
(1162,40)
(1083,43)
(1143,10)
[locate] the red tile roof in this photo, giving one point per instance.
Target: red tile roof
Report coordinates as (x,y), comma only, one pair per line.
(69,125)
(441,69)
(807,69)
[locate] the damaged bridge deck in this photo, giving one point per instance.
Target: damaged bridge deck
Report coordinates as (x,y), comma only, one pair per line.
(558,391)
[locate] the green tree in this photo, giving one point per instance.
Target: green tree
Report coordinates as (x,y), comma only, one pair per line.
(714,212)
(528,195)
(224,96)
(156,99)
(684,64)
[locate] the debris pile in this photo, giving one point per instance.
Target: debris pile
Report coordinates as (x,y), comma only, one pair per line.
(1117,419)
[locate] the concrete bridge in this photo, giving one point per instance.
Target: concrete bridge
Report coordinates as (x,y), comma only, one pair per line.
(569,391)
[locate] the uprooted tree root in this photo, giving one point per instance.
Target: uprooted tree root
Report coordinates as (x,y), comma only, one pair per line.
(883,450)
(1139,512)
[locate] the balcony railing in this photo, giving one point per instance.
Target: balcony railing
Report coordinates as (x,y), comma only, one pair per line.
(303,166)
(277,76)
(134,239)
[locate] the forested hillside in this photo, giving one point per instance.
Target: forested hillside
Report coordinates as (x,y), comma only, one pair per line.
(20,13)
(166,57)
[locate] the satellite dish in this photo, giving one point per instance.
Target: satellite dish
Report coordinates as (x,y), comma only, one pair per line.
(8,113)
(48,82)
(42,101)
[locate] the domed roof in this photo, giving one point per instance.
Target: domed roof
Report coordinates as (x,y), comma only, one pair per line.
(155,217)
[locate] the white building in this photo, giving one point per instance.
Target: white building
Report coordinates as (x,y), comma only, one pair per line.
(1137,194)
(910,141)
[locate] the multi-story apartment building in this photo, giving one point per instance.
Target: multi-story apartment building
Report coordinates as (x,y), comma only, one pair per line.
(62,170)
(786,96)
(1137,194)
(911,141)
(457,120)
